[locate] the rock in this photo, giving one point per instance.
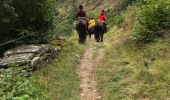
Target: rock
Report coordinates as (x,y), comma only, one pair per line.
(32,55)
(35,61)
(24,49)
(47,56)
(61,37)
(17,59)
(57,49)
(47,48)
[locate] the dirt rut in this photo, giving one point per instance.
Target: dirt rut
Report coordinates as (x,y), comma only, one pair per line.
(86,72)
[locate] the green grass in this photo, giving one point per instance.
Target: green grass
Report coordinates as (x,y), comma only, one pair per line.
(59,81)
(136,71)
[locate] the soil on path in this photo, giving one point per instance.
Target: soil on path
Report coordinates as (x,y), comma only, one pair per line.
(86,72)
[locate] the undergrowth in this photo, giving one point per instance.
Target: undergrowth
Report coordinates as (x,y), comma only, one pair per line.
(15,84)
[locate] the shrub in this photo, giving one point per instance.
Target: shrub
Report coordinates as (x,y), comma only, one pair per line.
(123,4)
(154,17)
(35,16)
(114,17)
(15,85)
(92,15)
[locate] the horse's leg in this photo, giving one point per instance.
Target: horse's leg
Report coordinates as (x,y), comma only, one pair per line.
(97,38)
(84,35)
(90,35)
(79,36)
(102,37)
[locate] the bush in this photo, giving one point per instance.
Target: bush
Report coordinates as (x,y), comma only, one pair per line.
(92,15)
(27,16)
(114,17)
(15,85)
(154,18)
(123,4)
(36,18)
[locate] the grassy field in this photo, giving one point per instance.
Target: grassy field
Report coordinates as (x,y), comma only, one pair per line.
(133,71)
(59,81)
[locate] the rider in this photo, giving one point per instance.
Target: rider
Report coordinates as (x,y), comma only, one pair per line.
(81,13)
(102,19)
(91,23)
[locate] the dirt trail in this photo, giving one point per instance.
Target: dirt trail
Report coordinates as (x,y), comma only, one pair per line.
(86,71)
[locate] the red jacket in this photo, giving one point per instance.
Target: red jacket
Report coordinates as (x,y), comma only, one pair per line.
(81,13)
(102,18)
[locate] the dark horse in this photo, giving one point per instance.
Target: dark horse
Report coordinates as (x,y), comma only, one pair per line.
(82,28)
(99,30)
(91,31)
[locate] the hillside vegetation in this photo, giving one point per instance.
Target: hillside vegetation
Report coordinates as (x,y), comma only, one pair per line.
(40,21)
(136,45)
(137,65)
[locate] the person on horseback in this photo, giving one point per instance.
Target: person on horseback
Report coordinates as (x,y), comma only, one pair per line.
(102,19)
(81,14)
(100,27)
(81,25)
(92,23)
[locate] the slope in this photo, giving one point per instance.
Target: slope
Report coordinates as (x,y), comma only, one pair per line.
(134,70)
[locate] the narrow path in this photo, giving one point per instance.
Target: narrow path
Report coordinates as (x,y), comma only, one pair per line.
(86,72)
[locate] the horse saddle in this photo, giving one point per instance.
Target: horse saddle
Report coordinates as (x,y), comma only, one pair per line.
(81,20)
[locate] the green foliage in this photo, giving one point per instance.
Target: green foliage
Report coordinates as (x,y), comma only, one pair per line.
(118,19)
(17,16)
(15,85)
(114,17)
(92,15)
(64,23)
(40,19)
(122,4)
(7,15)
(154,18)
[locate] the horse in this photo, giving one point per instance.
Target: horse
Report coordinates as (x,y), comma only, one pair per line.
(82,29)
(99,30)
(91,31)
